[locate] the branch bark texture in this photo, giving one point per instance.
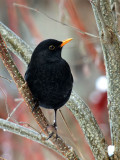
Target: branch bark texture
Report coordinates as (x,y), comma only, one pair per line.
(16,44)
(111,50)
(25,132)
(89,126)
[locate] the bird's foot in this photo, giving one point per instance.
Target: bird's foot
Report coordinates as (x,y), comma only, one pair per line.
(53,131)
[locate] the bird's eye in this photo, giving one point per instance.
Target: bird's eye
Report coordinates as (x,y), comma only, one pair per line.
(51,47)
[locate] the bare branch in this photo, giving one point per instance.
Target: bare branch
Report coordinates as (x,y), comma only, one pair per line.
(6,104)
(6,79)
(41,12)
(25,124)
(15,43)
(89,126)
(11,114)
(111,51)
(72,136)
(27,133)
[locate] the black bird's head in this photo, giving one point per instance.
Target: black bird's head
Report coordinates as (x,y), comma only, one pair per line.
(48,50)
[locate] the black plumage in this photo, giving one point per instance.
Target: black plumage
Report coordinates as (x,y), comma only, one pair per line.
(49,76)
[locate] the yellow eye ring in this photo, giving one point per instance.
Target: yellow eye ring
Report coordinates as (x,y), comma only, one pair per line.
(51,47)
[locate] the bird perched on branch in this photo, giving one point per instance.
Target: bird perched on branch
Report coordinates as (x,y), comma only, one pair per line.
(49,76)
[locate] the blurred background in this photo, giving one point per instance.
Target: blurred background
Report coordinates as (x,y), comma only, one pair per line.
(83,53)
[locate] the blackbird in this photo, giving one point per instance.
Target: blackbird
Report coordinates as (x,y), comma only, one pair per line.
(49,76)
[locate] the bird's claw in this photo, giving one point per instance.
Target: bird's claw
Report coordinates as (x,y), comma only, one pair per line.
(52,128)
(51,134)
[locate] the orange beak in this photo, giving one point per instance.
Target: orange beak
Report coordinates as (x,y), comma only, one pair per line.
(65,42)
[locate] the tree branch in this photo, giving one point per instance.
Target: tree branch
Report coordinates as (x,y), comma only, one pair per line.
(89,126)
(15,44)
(111,52)
(26,132)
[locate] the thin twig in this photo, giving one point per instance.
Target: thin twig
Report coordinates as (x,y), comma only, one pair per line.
(77,22)
(72,136)
(25,124)
(6,79)
(18,99)
(41,12)
(14,110)
(6,104)
(29,21)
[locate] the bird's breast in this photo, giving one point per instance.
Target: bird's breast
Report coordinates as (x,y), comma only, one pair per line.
(51,83)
